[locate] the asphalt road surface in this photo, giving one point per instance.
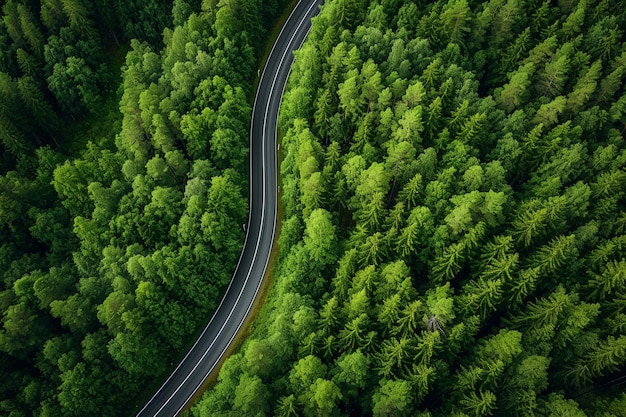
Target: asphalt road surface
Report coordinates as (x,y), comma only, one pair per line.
(227,320)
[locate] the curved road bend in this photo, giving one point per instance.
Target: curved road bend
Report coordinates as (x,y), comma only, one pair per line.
(210,347)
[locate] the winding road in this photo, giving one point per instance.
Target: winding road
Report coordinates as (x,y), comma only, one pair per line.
(208,350)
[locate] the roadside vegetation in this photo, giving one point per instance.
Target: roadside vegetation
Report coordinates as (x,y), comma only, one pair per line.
(454,231)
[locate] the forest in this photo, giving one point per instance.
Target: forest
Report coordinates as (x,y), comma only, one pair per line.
(453,177)
(454,231)
(123,187)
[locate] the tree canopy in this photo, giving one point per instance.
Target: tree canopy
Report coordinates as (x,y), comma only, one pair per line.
(123,185)
(453,194)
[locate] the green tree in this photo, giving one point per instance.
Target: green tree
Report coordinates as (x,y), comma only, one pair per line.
(392,398)
(52,15)
(552,79)
(550,258)
(225,213)
(328,315)
(323,398)
(584,88)
(609,282)
(482,403)
(515,92)
(531,223)
(607,357)
(372,213)
(455,18)
(399,161)
(409,319)
(394,355)
(77,13)
(548,114)
(410,127)
(411,191)
(439,308)
(482,296)
(352,372)
(448,263)
(305,372)
(522,389)
(251,396)
(320,237)
(354,333)
(74,85)
(557,405)
(287,407)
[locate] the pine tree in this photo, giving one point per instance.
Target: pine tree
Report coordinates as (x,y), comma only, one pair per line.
(550,258)
(421,378)
(328,316)
(12,138)
(345,271)
(515,92)
(606,251)
(459,116)
(482,403)
(607,357)
(52,15)
(407,240)
(524,284)
(584,88)
(548,114)
(503,268)
(530,224)
(77,13)
(372,212)
(574,23)
(553,77)
(449,263)
(611,280)
(430,76)
(472,129)
(323,113)
(35,102)
(373,250)
(12,21)
(389,312)
(409,319)
(392,398)
(27,63)
(411,191)
(287,407)
(353,335)
(515,52)
(30,30)
(395,218)
(427,345)
(365,279)
(309,344)
(481,296)
(434,119)
(394,355)
(455,18)
(555,321)
(609,86)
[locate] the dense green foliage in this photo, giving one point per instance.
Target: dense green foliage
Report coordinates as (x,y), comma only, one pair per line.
(53,64)
(454,183)
(115,255)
